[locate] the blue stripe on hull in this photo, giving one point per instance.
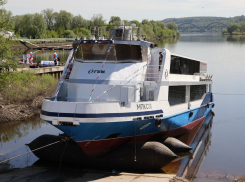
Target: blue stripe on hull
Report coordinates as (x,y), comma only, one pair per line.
(102,115)
(100,131)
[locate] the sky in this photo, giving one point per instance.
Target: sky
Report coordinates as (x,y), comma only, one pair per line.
(132,9)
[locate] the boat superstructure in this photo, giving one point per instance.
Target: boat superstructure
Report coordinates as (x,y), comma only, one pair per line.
(125,89)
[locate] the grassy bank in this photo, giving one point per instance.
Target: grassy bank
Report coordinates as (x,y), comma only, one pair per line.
(23,87)
(22,94)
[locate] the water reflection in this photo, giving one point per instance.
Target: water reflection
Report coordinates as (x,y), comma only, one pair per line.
(47,55)
(14,136)
(161,43)
(18,130)
(236,38)
(200,140)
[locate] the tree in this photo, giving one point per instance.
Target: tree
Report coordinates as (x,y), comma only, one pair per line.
(97,20)
(17,25)
(114,19)
(145,21)
(161,24)
(232,28)
(63,20)
(242,27)
(69,34)
(172,26)
(78,22)
(51,34)
(60,32)
(6,24)
(48,15)
(147,29)
(137,23)
(82,32)
(39,22)
(33,25)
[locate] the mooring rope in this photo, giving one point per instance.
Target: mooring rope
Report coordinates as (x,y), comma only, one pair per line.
(62,156)
(62,140)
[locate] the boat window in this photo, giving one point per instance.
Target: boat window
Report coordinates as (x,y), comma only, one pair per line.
(126,52)
(97,52)
(180,65)
(197,92)
(176,95)
(118,52)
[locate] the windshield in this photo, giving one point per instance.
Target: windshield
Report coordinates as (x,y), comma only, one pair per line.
(118,52)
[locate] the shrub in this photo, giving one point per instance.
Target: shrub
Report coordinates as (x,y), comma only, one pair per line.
(19,87)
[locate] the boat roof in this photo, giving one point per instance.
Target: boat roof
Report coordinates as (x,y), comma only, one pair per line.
(178,55)
(128,42)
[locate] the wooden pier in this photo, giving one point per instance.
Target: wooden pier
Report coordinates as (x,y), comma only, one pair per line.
(55,71)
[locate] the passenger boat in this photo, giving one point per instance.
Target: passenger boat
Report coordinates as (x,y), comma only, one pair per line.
(126,90)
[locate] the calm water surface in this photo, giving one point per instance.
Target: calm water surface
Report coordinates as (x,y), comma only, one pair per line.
(226,61)
(222,146)
(48,55)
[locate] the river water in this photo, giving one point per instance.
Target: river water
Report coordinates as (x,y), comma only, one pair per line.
(221,140)
(47,55)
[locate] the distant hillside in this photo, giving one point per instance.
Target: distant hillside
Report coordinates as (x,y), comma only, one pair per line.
(204,24)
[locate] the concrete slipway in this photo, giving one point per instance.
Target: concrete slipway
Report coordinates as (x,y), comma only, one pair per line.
(38,174)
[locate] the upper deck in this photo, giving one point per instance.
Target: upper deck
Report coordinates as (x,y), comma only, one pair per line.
(128,68)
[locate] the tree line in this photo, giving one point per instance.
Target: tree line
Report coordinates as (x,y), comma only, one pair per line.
(62,24)
(216,24)
(235,28)
(51,24)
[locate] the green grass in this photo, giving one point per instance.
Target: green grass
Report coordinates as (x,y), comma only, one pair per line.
(20,87)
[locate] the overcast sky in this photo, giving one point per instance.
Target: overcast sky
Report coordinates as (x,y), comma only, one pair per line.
(133,9)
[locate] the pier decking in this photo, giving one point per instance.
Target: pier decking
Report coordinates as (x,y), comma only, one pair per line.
(55,71)
(42,70)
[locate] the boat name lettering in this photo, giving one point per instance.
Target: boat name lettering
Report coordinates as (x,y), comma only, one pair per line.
(96,71)
(143,106)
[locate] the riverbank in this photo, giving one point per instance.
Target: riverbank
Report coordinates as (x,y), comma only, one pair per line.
(22,94)
(236,33)
(10,113)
